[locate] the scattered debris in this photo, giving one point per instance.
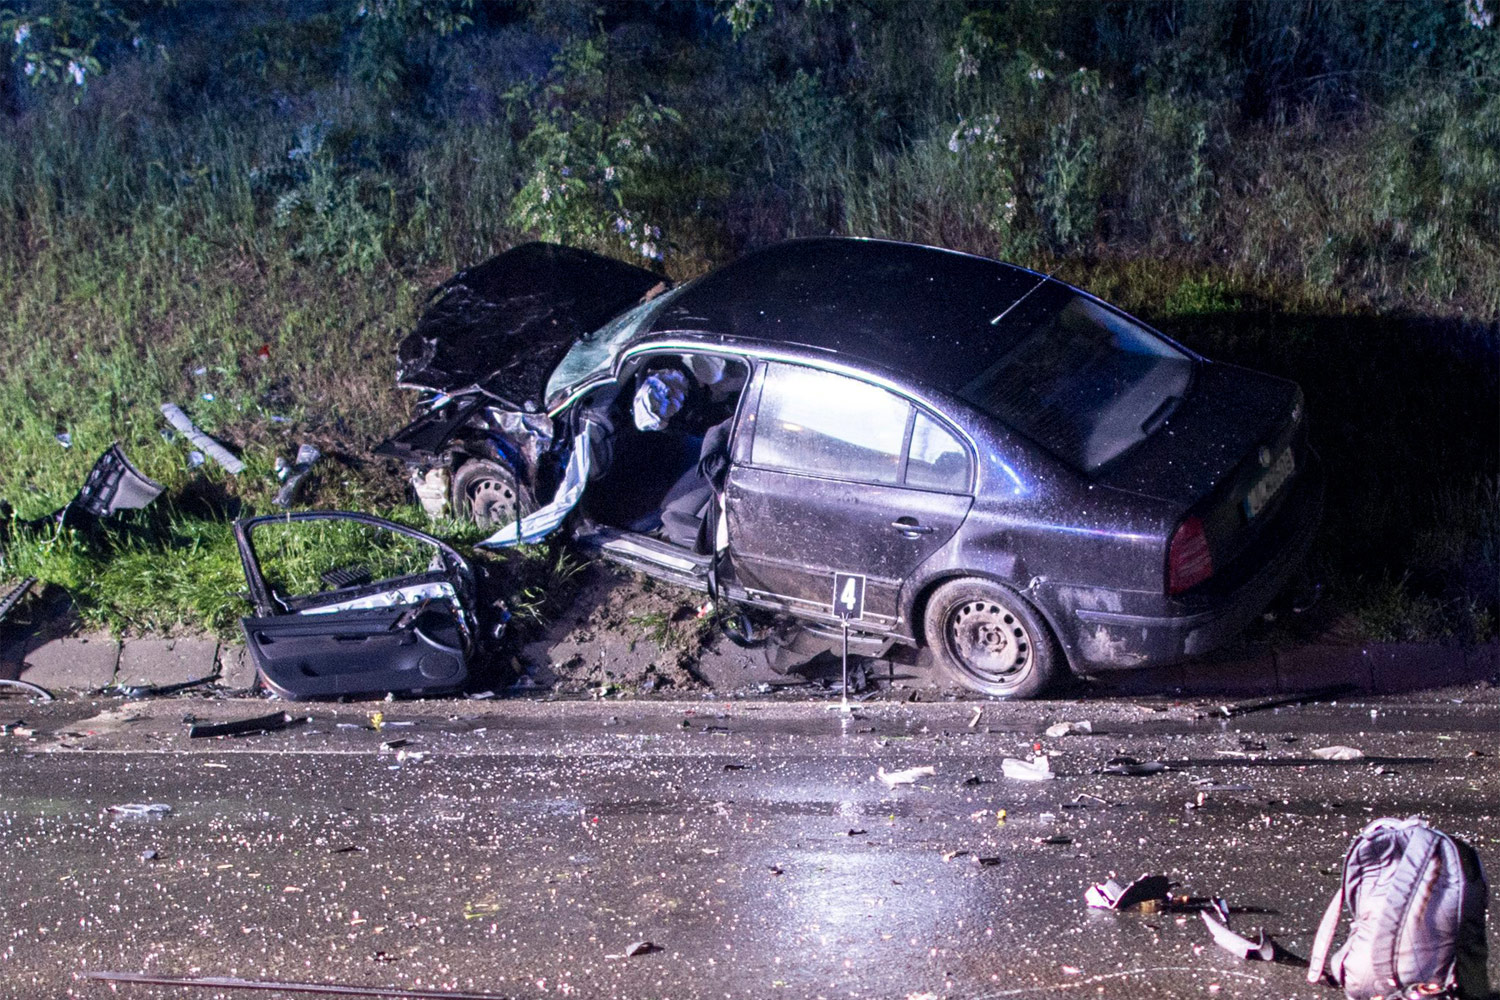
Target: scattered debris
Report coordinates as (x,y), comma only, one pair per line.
(154,690)
(307,456)
(149,854)
(1083,727)
(978,712)
(950,855)
(1038,768)
(1338,753)
(244,727)
(140,810)
(906,777)
(1263,948)
(200,440)
(641,948)
(985,861)
(1056,839)
(1131,767)
(1281,701)
(1148,892)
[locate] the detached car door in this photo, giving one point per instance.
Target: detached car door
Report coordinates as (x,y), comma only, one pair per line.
(834,475)
(348,604)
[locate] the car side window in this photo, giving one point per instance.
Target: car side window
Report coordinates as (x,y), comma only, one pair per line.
(829,425)
(937,460)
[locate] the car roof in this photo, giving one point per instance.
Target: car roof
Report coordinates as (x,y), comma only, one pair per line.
(927,313)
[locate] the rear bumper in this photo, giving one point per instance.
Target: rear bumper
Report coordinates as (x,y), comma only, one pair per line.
(1106,640)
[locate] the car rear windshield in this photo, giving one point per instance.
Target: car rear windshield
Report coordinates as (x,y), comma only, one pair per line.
(594,353)
(1084,381)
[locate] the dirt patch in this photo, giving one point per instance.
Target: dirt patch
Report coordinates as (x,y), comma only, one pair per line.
(620,633)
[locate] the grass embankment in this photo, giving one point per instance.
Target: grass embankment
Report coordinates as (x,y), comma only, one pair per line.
(248,237)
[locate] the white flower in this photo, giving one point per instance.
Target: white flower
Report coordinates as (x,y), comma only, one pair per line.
(953,142)
(76,72)
(546,195)
(609,173)
(31,69)
(23,32)
(622,224)
(649,251)
(1037,73)
(1478,16)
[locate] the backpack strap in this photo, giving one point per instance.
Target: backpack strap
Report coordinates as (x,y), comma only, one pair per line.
(1324,940)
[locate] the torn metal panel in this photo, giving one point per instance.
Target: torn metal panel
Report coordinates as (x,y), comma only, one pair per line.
(411,634)
(504,324)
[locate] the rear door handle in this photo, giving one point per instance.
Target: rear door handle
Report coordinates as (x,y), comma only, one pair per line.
(909,527)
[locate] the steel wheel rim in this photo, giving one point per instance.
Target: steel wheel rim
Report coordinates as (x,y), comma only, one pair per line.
(989,642)
(492,500)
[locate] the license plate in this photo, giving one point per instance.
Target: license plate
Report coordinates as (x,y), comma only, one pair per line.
(1268,485)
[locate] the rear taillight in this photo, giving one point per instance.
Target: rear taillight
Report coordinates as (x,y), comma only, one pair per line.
(1189,562)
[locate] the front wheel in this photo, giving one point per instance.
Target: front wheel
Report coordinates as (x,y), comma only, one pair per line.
(988,639)
(487,493)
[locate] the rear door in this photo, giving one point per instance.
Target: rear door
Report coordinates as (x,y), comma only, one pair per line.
(833,475)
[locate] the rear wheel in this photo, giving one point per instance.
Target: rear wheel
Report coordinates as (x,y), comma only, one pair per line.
(988,639)
(487,493)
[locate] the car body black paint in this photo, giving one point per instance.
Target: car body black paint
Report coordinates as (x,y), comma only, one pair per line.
(1087,550)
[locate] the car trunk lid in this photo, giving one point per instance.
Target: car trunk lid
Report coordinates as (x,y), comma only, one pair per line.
(501,326)
(1224,456)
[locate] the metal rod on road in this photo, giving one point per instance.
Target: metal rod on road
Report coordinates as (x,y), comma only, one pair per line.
(230,983)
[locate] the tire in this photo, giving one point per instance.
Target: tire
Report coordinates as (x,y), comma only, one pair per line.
(487,493)
(988,639)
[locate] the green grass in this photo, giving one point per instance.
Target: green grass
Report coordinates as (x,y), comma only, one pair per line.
(188,211)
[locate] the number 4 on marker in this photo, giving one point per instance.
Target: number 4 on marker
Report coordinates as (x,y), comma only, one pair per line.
(849,595)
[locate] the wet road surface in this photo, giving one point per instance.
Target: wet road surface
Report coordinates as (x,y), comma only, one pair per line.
(522,848)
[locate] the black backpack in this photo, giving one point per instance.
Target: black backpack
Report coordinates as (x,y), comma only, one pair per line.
(1416,900)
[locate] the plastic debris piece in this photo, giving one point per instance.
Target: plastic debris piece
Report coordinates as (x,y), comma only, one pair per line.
(1131,767)
(1109,895)
(432,491)
(1338,753)
(263,352)
(307,457)
(242,727)
(641,948)
(1056,839)
(1070,728)
(1263,948)
(149,855)
(974,721)
(1038,768)
(906,777)
(140,810)
(64,438)
(195,458)
(200,440)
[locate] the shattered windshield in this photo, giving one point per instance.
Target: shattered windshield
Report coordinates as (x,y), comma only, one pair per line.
(594,354)
(1082,380)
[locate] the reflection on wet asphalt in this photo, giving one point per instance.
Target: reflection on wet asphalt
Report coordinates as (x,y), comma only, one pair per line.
(521,848)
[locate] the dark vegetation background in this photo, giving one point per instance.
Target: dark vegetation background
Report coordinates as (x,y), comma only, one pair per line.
(238,206)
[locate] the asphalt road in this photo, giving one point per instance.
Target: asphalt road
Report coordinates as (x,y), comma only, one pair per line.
(522,848)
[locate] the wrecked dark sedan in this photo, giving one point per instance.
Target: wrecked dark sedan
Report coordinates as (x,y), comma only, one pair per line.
(925,447)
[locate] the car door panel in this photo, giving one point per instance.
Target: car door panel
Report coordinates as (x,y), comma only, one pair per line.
(789,533)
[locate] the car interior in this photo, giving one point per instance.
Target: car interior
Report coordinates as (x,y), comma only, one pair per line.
(670,449)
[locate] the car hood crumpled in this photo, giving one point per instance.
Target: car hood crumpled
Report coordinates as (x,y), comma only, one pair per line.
(502,325)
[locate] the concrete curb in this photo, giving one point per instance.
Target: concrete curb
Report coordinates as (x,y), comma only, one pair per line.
(91,662)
